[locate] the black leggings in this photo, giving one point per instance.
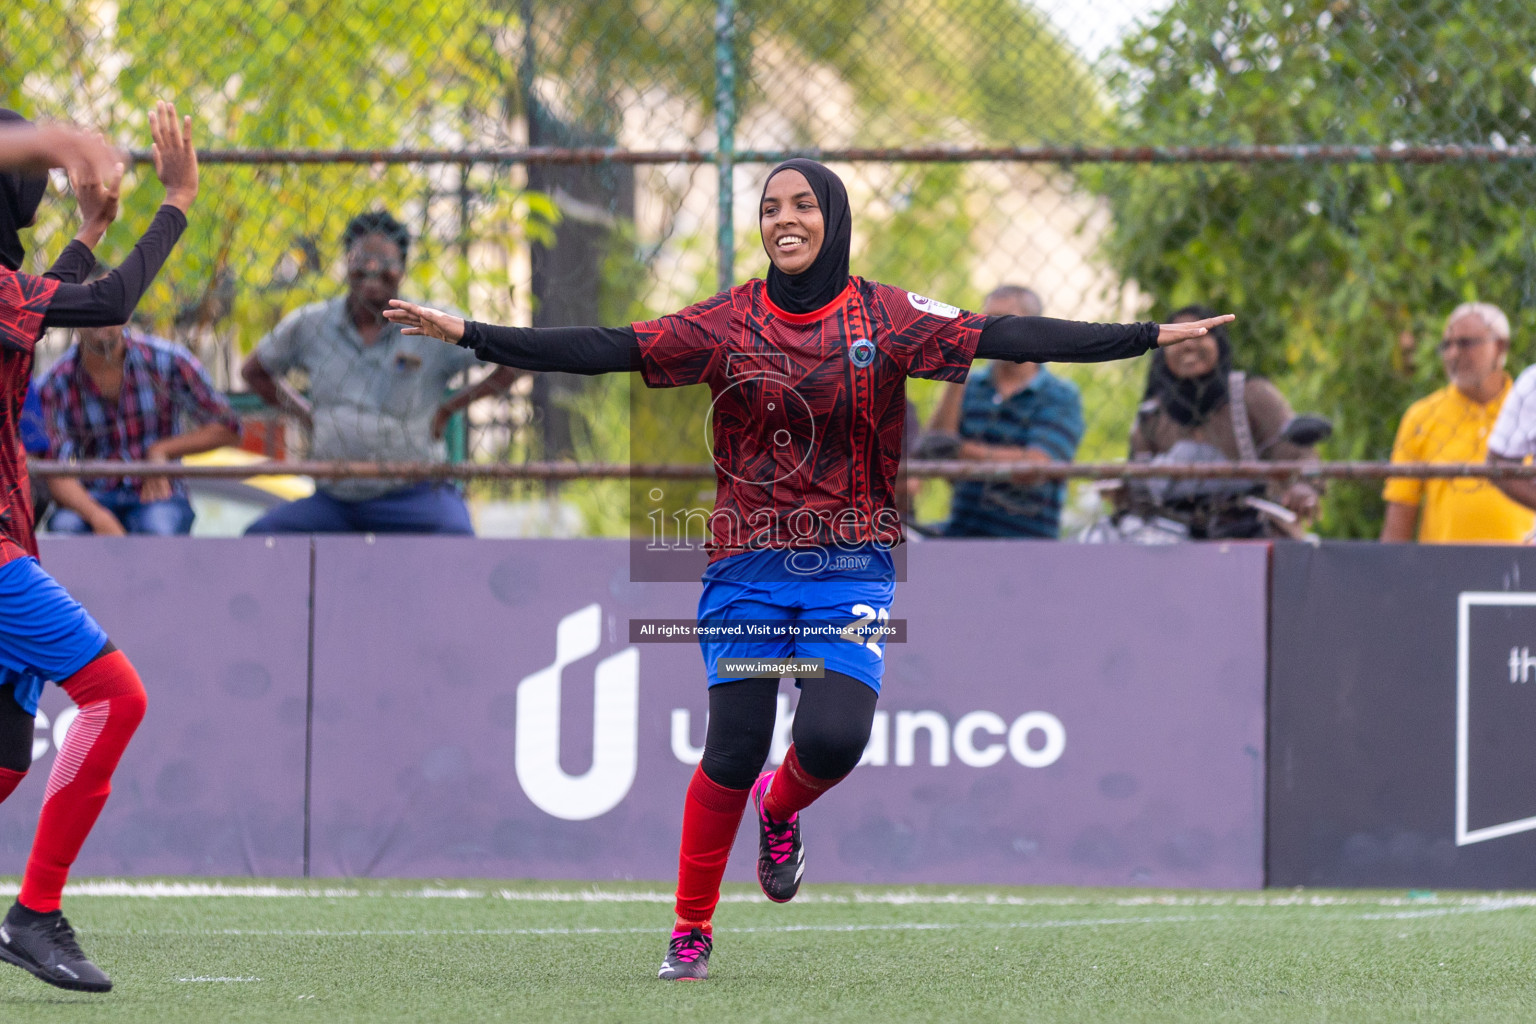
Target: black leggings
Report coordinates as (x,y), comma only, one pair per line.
(831,727)
(16,728)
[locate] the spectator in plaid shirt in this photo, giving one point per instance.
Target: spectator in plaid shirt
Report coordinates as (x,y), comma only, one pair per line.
(121,394)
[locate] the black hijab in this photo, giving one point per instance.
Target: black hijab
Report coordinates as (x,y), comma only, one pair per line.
(20,196)
(1192,400)
(827,276)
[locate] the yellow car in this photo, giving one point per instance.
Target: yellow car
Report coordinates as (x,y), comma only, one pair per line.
(224,506)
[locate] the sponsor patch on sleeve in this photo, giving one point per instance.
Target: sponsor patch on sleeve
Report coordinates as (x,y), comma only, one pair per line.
(923,304)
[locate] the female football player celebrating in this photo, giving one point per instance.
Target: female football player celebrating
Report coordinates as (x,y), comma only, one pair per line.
(808,372)
(44,632)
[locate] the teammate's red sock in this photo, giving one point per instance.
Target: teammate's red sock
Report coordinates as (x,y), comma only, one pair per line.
(112,701)
(9,780)
(793,788)
(711,816)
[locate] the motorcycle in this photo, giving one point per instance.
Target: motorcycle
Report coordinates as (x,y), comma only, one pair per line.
(1168,510)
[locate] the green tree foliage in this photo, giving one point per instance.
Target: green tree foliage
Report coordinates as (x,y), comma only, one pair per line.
(955,70)
(296,74)
(1341,275)
(309,74)
(948,71)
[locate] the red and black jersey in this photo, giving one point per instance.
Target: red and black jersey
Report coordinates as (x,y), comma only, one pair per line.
(24,300)
(808,409)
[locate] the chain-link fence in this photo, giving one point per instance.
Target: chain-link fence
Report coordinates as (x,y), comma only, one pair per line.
(1339,173)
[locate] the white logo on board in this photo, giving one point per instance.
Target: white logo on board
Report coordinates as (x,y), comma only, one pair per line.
(923,304)
(43,732)
(980,739)
(615,728)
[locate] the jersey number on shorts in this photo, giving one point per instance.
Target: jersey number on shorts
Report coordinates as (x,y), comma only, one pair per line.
(866,615)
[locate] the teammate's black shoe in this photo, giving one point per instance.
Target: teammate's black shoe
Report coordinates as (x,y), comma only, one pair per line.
(45,945)
(780,855)
(687,956)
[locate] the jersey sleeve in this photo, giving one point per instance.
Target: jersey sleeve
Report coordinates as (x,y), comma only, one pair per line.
(24,301)
(930,338)
(1514,432)
(685,347)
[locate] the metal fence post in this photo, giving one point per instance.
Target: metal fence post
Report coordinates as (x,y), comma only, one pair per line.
(725,133)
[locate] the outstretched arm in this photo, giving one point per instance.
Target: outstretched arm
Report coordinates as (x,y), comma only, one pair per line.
(111,300)
(97,199)
(33,149)
(585,350)
(1041,339)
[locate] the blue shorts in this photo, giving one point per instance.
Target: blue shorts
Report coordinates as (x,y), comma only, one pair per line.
(812,586)
(44,633)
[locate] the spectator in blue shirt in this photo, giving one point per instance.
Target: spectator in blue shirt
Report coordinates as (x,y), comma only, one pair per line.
(1010,412)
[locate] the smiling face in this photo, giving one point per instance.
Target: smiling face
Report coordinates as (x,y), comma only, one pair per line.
(792,224)
(1195,357)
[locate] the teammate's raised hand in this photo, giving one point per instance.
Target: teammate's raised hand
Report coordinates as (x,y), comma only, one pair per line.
(433,323)
(1172,334)
(36,148)
(175,158)
(97,194)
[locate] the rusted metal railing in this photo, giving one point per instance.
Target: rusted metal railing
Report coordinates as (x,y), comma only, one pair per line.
(949,470)
(1333,154)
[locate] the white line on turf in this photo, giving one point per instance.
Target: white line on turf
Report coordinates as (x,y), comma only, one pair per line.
(924,926)
(885,897)
(218,979)
(909,926)
(1404,915)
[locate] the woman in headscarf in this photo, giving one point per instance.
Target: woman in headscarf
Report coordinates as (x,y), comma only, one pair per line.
(807,369)
(44,632)
(1193,394)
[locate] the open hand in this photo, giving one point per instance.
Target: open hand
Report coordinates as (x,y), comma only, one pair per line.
(1172,334)
(424,320)
(175,158)
(96,194)
(155,488)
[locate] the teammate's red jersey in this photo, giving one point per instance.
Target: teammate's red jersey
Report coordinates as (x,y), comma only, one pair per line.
(808,409)
(24,300)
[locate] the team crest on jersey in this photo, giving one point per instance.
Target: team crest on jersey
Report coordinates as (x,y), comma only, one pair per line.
(862,352)
(923,304)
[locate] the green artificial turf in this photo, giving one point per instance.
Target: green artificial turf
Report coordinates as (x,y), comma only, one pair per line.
(483,951)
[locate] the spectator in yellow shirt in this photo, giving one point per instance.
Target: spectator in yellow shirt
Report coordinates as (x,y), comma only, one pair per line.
(1452,425)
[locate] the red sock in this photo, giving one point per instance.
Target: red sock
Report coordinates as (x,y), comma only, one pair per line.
(793,788)
(711,816)
(112,701)
(9,780)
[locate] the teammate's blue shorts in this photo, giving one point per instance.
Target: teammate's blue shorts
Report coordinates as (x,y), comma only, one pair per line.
(811,586)
(44,633)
